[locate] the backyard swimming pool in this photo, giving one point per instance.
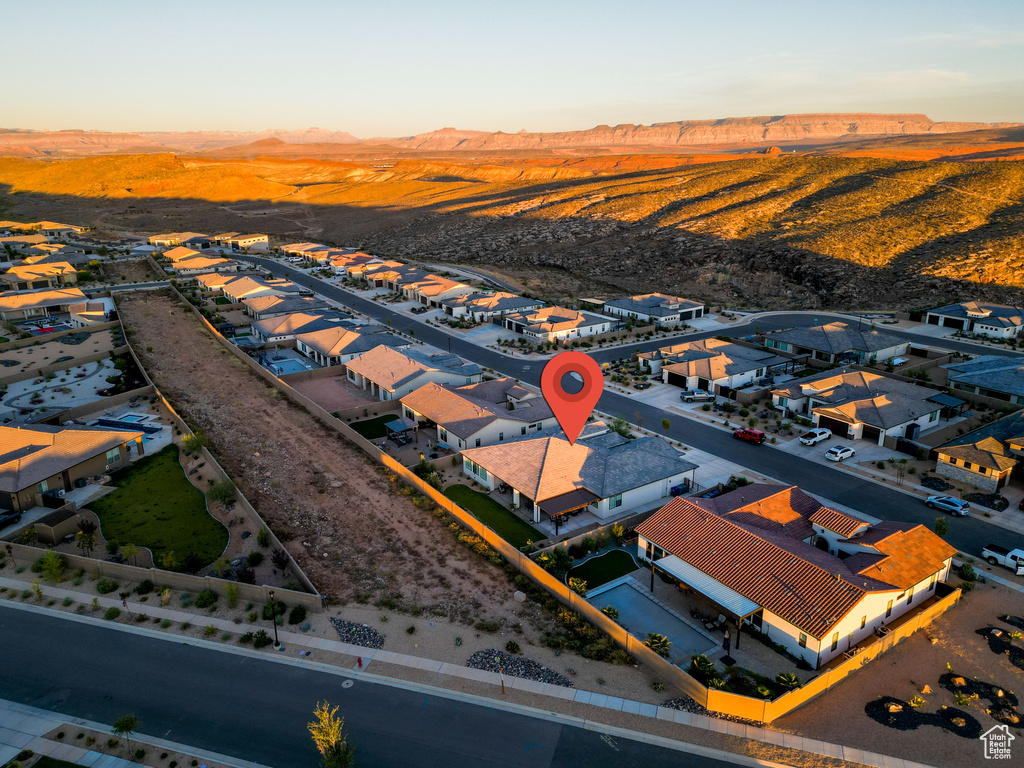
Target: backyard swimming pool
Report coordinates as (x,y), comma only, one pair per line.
(280,367)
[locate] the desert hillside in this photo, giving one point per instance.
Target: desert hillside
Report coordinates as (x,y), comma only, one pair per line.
(774,231)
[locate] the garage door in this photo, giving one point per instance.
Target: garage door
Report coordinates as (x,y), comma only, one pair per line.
(838,428)
(676,380)
(871,433)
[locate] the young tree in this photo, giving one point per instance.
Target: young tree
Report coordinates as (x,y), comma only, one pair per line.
(125,726)
(331,743)
(85,542)
(666,425)
(130,551)
(52,566)
(941,527)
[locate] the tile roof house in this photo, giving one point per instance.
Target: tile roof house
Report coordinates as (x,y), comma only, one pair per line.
(92,312)
(365,268)
(240,287)
(199,265)
(22,242)
(556,324)
(281,328)
(390,374)
(661,309)
(179,253)
(176,238)
(395,278)
(29,276)
(710,364)
(602,472)
(995,320)
(262,307)
(839,342)
(985,457)
(432,290)
(858,405)
(42,459)
(241,242)
(997,376)
(485,306)
(478,414)
(815,580)
(339,345)
(19,306)
(349,261)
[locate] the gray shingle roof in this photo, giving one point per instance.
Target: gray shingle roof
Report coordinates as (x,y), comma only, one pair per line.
(837,338)
(999,314)
(996,372)
(654,304)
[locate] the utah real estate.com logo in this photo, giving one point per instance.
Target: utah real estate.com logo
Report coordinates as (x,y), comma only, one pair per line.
(997,742)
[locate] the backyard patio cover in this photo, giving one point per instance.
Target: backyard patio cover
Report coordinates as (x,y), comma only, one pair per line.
(729,599)
(567,502)
(399,425)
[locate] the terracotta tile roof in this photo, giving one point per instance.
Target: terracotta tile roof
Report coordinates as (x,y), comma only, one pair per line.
(53,297)
(180,252)
(837,522)
(30,272)
(391,369)
(29,455)
(911,553)
(335,342)
(201,262)
(712,358)
(287,303)
(464,411)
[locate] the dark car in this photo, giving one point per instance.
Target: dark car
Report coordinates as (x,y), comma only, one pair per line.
(7,517)
(1020,505)
(755,436)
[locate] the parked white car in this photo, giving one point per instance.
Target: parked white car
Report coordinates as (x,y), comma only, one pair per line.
(839,452)
(815,436)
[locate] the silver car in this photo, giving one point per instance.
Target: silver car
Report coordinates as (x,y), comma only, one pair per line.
(955,507)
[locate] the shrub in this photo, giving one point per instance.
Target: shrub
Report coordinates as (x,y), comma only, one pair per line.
(263,538)
(579,586)
(246,638)
(279,558)
(261,639)
(254,559)
(165,623)
(140,753)
(787,680)
(967,572)
(297,615)
(222,492)
(186,600)
(106,586)
(206,599)
(410,630)
(589,544)
(488,626)
(512,647)
(112,613)
(231,590)
(272,612)
(68,601)
(209,630)
(145,587)
(658,643)
(611,612)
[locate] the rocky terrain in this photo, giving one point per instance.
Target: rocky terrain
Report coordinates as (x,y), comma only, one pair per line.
(770,231)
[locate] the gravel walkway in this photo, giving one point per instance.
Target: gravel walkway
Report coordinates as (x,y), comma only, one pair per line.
(358,634)
(515,666)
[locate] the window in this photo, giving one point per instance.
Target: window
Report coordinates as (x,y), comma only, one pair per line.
(501,436)
(910,596)
(409,415)
(783,402)
(42,487)
(803,640)
(522,430)
(113,455)
(835,640)
(933,416)
(888,610)
(469,380)
(968,465)
(478,442)
(863,621)
(931,583)
(615,501)
(443,434)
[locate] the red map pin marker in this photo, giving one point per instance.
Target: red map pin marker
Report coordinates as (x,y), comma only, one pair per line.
(572,410)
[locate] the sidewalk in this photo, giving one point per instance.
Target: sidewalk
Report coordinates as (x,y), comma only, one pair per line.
(23,727)
(296,649)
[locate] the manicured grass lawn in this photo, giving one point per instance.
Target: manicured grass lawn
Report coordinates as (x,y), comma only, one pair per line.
(373,429)
(49,762)
(600,570)
(491,513)
(4,339)
(155,506)
(221,300)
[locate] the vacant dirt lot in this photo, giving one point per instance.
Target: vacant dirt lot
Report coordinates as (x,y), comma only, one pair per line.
(355,538)
(333,394)
(129,271)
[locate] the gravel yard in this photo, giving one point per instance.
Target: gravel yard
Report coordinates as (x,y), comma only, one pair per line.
(333,393)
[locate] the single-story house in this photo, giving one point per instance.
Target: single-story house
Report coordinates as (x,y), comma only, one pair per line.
(19,306)
(478,414)
(262,307)
(710,364)
(241,242)
(180,253)
(48,460)
(339,345)
(365,268)
(300,249)
(56,229)
(25,277)
(839,343)
(92,312)
(997,376)
(395,278)
(199,265)
(658,308)
(486,306)
(815,580)
(343,264)
(858,405)
(391,374)
(986,457)
(602,472)
(281,328)
(22,242)
(176,238)
(996,320)
(556,324)
(432,290)
(240,287)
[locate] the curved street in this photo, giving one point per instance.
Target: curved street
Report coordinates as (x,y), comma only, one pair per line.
(968,534)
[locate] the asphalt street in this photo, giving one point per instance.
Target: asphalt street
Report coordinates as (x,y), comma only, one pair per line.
(257,709)
(969,535)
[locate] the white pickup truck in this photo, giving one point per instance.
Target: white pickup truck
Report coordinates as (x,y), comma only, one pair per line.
(1008,558)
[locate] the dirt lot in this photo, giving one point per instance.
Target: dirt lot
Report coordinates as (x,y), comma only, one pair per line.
(34,356)
(903,672)
(129,271)
(332,393)
(352,535)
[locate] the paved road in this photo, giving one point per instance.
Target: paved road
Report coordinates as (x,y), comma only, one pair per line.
(257,710)
(969,535)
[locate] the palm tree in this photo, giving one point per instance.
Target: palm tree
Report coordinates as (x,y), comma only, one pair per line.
(658,643)
(787,680)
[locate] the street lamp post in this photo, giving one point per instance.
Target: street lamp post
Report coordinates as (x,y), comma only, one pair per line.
(273,619)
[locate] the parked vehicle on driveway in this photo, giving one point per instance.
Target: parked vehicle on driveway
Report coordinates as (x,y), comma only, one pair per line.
(815,436)
(1008,558)
(956,507)
(755,436)
(839,452)
(7,517)
(690,395)
(1020,505)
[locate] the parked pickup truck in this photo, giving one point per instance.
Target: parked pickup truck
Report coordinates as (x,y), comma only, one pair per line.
(815,436)
(1008,558)
(689,395)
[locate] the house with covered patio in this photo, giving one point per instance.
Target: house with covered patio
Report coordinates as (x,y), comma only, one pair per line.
(602,473)
(816,580)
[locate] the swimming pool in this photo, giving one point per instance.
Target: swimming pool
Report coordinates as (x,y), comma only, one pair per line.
(281,367)
(132,417)
(146,429)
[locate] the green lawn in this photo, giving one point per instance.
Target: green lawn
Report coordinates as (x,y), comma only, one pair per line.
(372,429)
(155,506)
(604,568)
(221,300)
(491,513)
(50,762)
(4,339)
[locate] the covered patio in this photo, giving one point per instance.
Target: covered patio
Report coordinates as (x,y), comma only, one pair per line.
(559,508)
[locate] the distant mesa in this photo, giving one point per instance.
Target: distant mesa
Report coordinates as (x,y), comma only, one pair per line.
(773,151)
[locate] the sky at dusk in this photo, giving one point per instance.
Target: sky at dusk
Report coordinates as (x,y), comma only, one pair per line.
(399,68)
